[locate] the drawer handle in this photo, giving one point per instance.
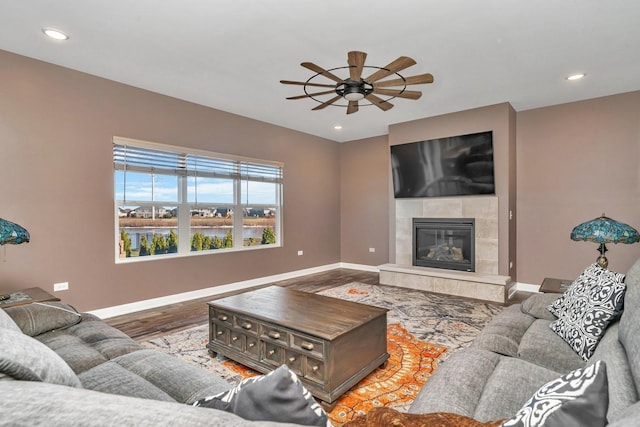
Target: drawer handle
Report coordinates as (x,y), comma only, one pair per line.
(234,338)
(307,345)
(292,359)
(246,325)
(252,344)
(315,368)
(271,352)
(220,332)
(275,335)
(222,317)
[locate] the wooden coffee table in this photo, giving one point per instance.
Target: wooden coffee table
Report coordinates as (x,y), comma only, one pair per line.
(331,344)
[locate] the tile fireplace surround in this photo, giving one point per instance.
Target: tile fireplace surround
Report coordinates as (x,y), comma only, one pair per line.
(485,283)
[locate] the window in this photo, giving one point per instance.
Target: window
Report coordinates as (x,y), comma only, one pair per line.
(171,200)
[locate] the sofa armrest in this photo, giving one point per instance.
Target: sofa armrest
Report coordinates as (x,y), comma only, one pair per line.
(40,317)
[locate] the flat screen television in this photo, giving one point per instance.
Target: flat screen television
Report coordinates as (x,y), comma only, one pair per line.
(452,166)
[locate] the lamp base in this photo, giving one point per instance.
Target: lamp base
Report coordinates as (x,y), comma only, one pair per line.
(603,261)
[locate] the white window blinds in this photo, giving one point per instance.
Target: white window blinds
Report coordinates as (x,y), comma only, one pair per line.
(131,157)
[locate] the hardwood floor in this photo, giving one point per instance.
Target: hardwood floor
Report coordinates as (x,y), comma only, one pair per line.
(148,324)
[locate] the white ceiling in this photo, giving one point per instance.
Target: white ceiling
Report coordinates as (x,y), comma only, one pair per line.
(231,54)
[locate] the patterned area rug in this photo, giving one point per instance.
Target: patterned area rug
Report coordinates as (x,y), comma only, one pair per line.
(423,329)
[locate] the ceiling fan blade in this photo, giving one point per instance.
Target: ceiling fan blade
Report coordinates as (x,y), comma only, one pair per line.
(413,80)
(391,68)
(320,70)
(353,107)
(378,102)
(325,104)
(356,62)
(309,95)
(409,94)
(289,82)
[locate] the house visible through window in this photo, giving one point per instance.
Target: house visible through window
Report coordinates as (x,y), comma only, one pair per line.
(172,200)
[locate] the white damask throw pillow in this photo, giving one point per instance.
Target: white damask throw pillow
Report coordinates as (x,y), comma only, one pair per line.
(577,399)
(593,276)
(589,307)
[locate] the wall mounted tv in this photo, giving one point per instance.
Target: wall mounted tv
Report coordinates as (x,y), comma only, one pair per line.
(453,166)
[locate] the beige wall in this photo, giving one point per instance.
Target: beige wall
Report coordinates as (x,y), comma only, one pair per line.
(576,161)
(364,203)
(56,129)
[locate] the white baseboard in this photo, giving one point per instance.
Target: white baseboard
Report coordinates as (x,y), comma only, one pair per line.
(105,313)
(524,287)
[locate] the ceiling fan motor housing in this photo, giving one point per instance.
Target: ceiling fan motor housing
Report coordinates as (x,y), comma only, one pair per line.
(352,90)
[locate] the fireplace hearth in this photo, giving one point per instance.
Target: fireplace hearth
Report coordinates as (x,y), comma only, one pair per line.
(447,243)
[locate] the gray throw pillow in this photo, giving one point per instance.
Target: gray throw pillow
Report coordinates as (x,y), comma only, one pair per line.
(278,396)
(40,317)
(25,358)
(7,322)
(577,399)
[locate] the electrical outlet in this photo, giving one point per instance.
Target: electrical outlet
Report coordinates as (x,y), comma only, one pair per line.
(372,249)
(300,253)
(62,286)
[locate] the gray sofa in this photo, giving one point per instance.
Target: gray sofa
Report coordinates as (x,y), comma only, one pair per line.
(517,353)
(91,374)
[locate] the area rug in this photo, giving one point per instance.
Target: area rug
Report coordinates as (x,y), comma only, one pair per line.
(423,329)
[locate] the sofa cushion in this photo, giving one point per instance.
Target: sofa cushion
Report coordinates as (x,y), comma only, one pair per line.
(24,358)
(503,333)
(540,345)
(579,398)
(472,380)
(7,322)
(153,375)
(537,305)
(88,343)
(276,396)
(40,317)
(630,319)
(588,312)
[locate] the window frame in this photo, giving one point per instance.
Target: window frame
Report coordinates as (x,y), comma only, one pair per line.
(184,206)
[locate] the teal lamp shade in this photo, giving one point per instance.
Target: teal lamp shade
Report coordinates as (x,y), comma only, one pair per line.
(12,233)
(605,230)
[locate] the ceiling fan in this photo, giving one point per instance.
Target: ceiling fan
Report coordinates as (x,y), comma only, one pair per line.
(355,88)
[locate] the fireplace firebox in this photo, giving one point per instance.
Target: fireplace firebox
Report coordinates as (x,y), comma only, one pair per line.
(447,243)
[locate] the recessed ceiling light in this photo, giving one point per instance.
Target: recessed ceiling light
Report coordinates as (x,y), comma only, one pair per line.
(55,34)
(337,127)
(576,76)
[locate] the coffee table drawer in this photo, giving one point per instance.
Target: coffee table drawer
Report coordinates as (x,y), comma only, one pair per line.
(276,334)
(314,370)
(294,361)
(247,324)
(273,354)
(221,316)
(237,340)
(252,349)
(219,333)
(307,345)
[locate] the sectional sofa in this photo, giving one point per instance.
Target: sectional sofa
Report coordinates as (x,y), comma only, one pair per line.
(59,367)
(518,352)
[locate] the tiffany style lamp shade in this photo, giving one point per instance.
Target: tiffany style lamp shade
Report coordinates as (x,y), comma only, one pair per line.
(605,230)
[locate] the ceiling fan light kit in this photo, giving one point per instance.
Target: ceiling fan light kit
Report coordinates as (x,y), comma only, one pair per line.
(355,88)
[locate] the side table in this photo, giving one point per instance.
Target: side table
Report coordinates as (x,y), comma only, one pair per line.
(27,296)
(557,286)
